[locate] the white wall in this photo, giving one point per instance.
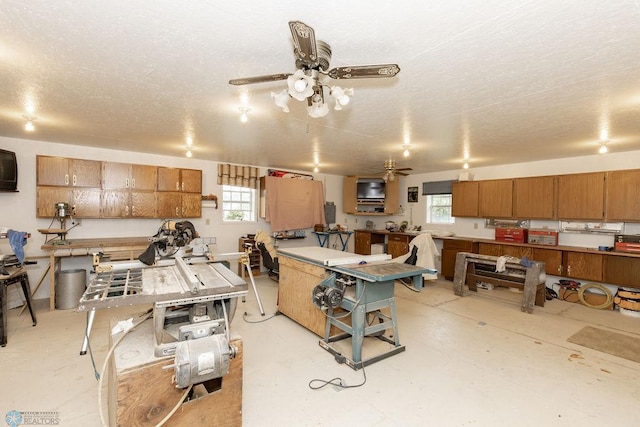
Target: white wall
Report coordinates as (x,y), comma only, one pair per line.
(18,210)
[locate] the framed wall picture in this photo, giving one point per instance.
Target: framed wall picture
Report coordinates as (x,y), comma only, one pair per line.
(412,194)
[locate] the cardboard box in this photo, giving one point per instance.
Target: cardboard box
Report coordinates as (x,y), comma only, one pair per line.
(592,298)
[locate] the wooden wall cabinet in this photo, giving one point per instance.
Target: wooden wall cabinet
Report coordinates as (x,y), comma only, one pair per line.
(464,199)
(623,196)
(96,189)
(350,203)
(495,198)
(534,197)
(581,265)
(581,196)
(66,172)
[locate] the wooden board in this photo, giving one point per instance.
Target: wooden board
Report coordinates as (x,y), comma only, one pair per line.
(143,394)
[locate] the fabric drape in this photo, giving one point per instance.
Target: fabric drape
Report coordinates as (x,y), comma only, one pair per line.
(293,204)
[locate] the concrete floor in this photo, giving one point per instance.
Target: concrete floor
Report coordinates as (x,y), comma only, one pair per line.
(469,361)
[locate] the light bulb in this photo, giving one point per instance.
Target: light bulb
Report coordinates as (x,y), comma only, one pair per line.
(344,100)
(189,154)
(300,85)
(189,141)
(315,169)
(465,166)
(244,118)
(406,152)
(29,127)
(603,149)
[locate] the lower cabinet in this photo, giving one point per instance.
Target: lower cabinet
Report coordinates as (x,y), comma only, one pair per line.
(450,249)
(398,244)
(623,271)
(582,265)
(552,258)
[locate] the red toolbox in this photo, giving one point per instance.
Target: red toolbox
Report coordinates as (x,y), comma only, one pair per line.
(516,235)
(627,243)
(543,237)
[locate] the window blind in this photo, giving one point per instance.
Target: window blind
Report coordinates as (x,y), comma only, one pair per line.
(237,175)
(437,187)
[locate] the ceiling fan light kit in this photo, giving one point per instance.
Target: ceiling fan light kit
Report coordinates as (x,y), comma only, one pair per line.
(312,59)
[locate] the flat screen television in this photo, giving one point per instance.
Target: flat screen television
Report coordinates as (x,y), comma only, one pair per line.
(370,191)
(8,171)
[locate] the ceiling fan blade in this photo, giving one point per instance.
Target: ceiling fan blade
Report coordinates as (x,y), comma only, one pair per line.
(400,173)
(259,79)
(304,44)
(364,71)
(403,169)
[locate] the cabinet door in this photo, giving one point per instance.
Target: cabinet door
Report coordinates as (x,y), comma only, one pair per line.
(581,265)
(534,198)
(450,249)
(391,200)
(143,204)
(191,205)
(168,179)
(115,203)
(86,203)
(362,243)
(169,204)
(581,196)
(496,198)
(349,195)
(552,259)
(623,271)
(490,249)
(623,195)
(144,177)
(397,245)
(52,171)
(191,181)
(47,197)
(115,175)
(464,199)
(86,173)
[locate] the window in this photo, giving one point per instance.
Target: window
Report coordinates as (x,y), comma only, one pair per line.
(238,204)
(439,209)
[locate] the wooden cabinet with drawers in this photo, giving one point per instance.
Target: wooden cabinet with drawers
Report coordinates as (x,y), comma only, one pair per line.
(450,249)
(398,244)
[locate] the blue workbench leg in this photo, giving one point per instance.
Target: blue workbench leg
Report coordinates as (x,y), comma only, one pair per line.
(358,322)
(396,334)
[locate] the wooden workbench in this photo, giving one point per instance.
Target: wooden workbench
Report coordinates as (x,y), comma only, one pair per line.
(117,247)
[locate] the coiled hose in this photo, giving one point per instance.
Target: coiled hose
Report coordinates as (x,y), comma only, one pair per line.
(606,292)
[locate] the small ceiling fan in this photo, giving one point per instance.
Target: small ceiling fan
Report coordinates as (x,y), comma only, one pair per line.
(391,171)
(312,58)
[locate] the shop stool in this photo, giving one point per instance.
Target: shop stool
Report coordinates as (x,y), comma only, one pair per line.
(15,275)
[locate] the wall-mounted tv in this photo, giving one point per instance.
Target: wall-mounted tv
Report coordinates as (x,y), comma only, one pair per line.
(370,191)
(8,171)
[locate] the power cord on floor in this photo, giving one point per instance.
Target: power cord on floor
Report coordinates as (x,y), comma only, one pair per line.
(244,317)
(336,382)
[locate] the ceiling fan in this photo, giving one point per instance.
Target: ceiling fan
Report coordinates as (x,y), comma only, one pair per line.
(391,171)
(312,58)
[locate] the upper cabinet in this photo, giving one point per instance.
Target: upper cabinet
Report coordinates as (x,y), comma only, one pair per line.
(96,189)
(623,195)
(183,180)
(370,196)
(581,196)
(65,172)
(534,197)
(495,198)
(464,199)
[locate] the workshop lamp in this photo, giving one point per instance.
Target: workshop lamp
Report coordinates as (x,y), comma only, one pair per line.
(307,87)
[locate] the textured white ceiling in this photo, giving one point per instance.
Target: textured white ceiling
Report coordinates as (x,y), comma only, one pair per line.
(509,81)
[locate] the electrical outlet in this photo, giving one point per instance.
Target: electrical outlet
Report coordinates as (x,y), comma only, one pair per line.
(475,225)
(207,221)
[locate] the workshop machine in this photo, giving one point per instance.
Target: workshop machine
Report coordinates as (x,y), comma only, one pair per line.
(194,300)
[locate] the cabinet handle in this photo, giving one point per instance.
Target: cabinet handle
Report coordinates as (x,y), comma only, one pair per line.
(133,183)
(568,270)
(560,269)
(183,186)
(177,211)
(66,179)
(74,180)
(126,210)
(126,183)
(177,186)
(133,211)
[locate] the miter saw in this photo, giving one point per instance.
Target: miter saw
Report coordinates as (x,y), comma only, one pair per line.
(171,237)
